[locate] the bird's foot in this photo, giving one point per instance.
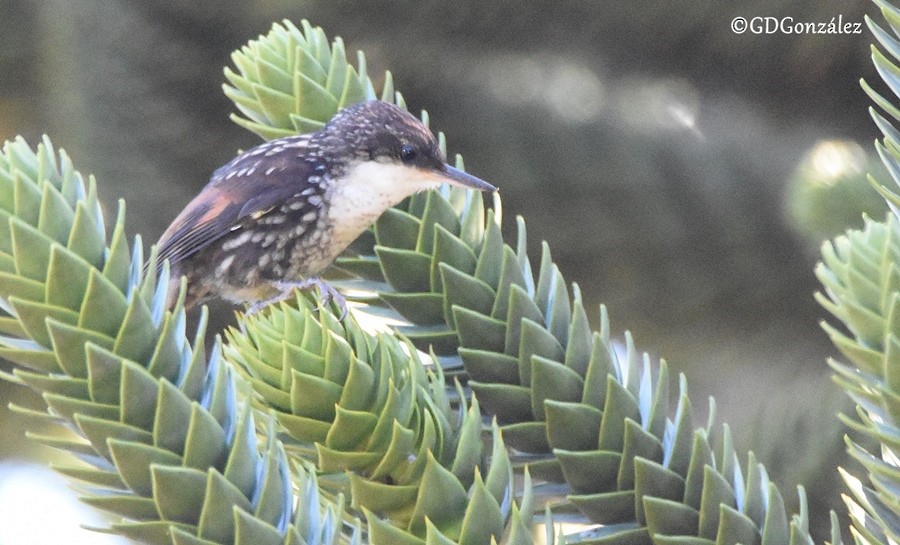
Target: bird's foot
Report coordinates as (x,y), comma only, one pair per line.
(285,289)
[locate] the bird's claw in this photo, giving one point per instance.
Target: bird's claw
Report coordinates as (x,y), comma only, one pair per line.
(285,289)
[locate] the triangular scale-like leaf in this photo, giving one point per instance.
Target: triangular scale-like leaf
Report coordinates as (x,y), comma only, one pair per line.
(157,532)
(173,416)
(250,530)
(78,447)
(479,331)
(490,259)
(888,71)
(133,461)
(397,501)
(69,343)
(55,383)
(464,290)
(551,380)
(140,388)
(606,507)
(620,405)
(181,536)
(716,493)
(353,90)
(405,270)
(483,521)
(547,470)
(312,63)
(301,125)
(337,69)
(694,481)
(241,465)
(418,308)
(402,443)
(31,249)
(313,100)
(638,444)
(667,517)
(653,480)
(471,230)
(67,278)
(735,527)
(469,447)
(358,388)
(27,197)
(510,274)
(216,517)
(509,403)
(68,407)
(655,423)
(274,75)
(572,426)
(880,101)
(85,239)
(21,287)
(108,479)
(276,105)
(205,444)
(314,397)
(489,366)
(560,310)
(527,436)
(98,430)
(579,343)
(384,533)
(521,306)
(56,215)
(452,251)
(437,212)
(179,492)
(117,265)
(7,261)
(679,453)
(137,334)
(265,131)
(349,428)
(589,471)
(104,373)
(43,361)
(775,526)
(439,339)
(192,381)
(272,496)
(132,507)
(334,461)
(537,341)
(442,497)
(104,305)
(433,536)
(397,229)
(166,359)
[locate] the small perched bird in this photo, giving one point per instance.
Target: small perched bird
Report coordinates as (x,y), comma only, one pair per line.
(277,215)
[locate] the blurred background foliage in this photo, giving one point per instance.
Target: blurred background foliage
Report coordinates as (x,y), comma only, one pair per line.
(682,174)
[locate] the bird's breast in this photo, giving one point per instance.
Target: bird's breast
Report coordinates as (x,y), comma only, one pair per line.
(364,192)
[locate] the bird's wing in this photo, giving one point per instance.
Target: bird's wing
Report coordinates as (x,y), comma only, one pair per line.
(236,191)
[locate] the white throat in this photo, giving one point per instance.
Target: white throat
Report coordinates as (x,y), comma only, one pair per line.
(366,190)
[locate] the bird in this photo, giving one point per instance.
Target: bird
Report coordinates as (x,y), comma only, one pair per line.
(277,215)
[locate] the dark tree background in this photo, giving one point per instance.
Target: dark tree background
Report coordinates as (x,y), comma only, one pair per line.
(650,145)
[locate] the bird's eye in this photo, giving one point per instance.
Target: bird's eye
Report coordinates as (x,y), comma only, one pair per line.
(408,153)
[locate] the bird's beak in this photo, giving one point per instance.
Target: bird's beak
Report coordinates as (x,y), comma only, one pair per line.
(455,176)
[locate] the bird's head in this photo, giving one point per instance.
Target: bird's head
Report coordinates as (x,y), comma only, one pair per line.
(384,145)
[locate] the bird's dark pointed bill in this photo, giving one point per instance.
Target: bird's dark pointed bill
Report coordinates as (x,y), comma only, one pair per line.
(458,177)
